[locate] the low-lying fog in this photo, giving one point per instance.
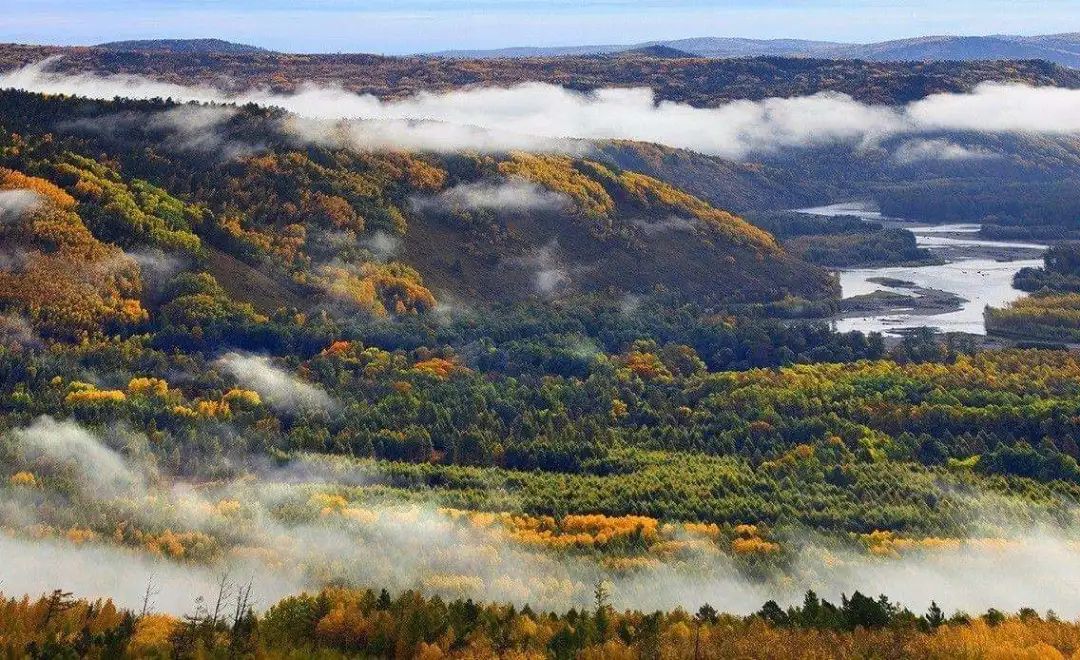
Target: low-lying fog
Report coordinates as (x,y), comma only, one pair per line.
(400,546)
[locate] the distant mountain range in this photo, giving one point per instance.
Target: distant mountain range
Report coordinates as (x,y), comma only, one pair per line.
(181,46)
(1059,48)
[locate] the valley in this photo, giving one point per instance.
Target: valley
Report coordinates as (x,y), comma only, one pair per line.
(570,356)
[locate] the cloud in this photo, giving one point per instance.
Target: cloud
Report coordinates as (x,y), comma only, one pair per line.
(198,128)
(93,570)
(17,331)
(550,275)
(914,151)
(289,529)
(512,195)
(671,223)
(383,245)
(280,388)
(998,108)
(18,202)
(358,132)
(69,445)
(157,265)
(542,117)
(1030,568)
(184,128)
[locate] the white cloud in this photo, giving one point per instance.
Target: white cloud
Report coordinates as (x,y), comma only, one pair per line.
(913,151)
(671,223)
(997,107)
(550,275)
(190,127)
(280,388)
(374,542)
(17,331)
(70,445)
(383,245)
(199,128)
(511,195)
(15,203)
(542,117)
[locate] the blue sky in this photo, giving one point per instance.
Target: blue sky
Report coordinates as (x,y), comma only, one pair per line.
(405,26)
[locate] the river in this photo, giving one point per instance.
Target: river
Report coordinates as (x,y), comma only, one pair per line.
(979,272)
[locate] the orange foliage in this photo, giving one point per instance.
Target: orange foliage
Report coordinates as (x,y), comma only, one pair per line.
(381,289)
(148,386)
(753,545)
(24,478)
(572,531)
(439,367)
(647,366)
(14,180)
(652,192)
(558,173)
(242,397)
(91,396)
(66,281)
(152,634)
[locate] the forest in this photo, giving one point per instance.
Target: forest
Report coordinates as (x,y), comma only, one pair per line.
(1052,311)
(702,82)
(341,623)
(842,241)
(291,397)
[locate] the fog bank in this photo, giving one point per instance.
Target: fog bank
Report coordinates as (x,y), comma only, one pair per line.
(542,117)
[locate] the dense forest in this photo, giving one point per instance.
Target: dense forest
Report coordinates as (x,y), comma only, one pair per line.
(492,228)
(842,241)
(1052,312)
(341,623)
(497,381)
(148,260)
(1037,209)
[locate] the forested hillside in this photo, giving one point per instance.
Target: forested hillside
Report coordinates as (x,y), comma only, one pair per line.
(1060,48)
(1052,312)
(697,81)
(231,340)
(324,300)
(909,176)
(381,231)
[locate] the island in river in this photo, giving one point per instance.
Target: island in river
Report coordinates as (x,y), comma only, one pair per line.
(950,295)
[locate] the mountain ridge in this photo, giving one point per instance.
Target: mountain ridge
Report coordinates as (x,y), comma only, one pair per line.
(1063,48)
(700,82)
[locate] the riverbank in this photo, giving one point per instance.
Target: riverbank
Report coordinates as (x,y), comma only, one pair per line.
(969,273)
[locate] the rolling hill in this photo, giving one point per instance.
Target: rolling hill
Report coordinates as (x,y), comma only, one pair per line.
(180,46)
(696,81)
(1061,49)
(383,233)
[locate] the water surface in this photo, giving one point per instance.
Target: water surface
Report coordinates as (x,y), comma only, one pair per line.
(978,271)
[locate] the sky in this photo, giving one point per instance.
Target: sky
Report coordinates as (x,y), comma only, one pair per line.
(417,26)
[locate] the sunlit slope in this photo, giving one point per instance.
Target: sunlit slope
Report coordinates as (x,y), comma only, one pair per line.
(388,233)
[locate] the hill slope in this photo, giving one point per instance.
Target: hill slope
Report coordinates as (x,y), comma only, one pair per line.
(180,46)
(1061,49)
(386,233)
(655,51)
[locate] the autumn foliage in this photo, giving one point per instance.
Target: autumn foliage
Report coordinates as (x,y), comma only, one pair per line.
(65,280)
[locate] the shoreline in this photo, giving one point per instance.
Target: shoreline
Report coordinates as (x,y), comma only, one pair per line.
(896,298)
